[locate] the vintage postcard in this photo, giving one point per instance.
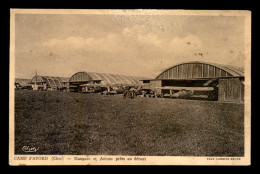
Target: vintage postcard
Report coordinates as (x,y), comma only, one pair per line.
(130,87)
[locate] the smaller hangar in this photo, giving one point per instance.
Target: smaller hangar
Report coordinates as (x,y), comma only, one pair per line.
(79,79)
(22,83)
(210,81)
(49,83)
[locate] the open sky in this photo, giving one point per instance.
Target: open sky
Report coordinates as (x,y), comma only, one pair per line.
(141,45)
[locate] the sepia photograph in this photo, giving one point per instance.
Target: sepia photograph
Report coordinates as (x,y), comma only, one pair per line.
(129,87)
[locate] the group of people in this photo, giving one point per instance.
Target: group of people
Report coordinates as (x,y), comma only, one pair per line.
(129,92)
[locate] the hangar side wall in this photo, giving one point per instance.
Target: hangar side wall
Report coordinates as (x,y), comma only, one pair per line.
(231,89)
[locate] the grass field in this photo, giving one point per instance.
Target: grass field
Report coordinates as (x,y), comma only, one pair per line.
(80,124)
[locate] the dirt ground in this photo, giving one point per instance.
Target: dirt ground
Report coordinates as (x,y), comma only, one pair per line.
(92,124)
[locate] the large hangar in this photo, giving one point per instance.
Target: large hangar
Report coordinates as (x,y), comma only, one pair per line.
(80,78)
(215,81)
(49,83)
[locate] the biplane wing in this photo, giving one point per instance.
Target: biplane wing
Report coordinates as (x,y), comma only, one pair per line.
(179,88)
(120,84)
(89,85)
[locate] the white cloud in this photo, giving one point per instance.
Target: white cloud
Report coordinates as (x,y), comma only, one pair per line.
(189,44)
(109,43)
(140,34)
(122,42)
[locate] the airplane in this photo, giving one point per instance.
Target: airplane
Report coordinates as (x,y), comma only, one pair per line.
(103,89)
(93,88)
(145,89)
(188,92)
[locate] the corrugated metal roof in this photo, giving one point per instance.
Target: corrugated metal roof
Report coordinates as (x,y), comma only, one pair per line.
(233,70)
(22,82)
(50,80)
(107,78)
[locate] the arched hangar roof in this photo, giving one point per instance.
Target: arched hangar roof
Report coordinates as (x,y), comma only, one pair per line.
(105,78)
(198,69)
(22,82)
(50,80)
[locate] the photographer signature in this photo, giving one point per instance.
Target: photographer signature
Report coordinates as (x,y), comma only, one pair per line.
(30,149)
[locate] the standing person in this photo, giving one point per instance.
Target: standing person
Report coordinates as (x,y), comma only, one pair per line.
(108,89)
(132,93)
(126,92)
(44,86)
